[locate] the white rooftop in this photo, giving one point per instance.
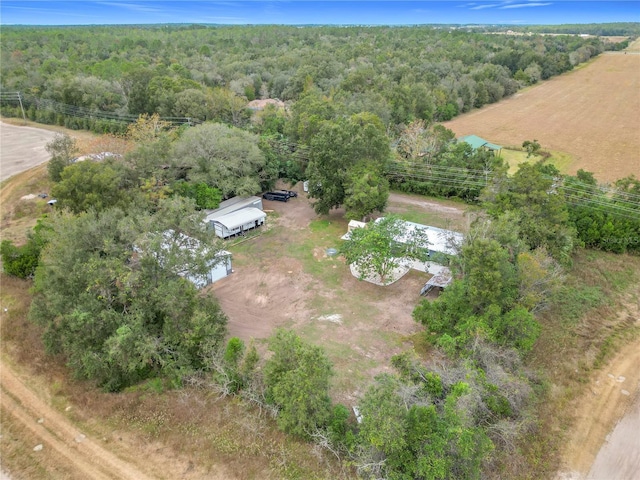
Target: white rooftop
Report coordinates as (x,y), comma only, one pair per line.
(230,205)
(240,217)
(440,240)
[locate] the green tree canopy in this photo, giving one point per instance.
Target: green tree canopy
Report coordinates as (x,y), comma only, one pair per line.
(339,146)
(297,378)
(110,297)
(91,185)
(533,192)
(366,192)
(223,157)
(383,245)
(63,150)
(417,426)
(204,195)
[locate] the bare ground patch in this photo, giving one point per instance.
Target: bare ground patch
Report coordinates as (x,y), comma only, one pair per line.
(284,278)
(610,393)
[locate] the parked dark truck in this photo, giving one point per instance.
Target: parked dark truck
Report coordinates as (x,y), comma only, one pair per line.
(279,196)
(291,193)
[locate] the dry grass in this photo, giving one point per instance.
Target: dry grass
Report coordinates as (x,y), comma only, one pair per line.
(515,157)
(589,115)
(585,326)
(18,455)
(192,427)
(18,216)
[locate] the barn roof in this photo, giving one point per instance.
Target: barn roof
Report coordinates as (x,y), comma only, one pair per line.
(477,142)
(240,217)
(231,205)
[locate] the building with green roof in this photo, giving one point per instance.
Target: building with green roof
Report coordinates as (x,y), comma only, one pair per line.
(477,143)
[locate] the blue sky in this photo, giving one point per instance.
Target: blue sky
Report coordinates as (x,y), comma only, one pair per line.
(516,12)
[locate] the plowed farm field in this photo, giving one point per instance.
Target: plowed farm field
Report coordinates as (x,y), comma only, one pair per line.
(591,114)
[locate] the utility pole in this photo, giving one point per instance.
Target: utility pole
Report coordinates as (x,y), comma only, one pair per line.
(24,117)
(12,96)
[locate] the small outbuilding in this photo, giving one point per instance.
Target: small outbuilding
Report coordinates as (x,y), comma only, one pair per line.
(478,143)
(218,270)
(238,222)
(233,204)
(192,250)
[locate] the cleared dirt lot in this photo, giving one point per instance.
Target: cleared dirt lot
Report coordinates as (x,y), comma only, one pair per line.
(21,148)
(590,113)
(284,278)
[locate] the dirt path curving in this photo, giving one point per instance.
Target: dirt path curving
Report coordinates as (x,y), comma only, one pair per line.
(613,392)
(56,432)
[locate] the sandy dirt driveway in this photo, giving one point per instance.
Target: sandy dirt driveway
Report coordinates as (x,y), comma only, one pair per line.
(605,440)
(58,435)
(22,148)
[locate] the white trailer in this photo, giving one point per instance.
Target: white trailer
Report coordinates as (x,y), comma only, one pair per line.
(238,222)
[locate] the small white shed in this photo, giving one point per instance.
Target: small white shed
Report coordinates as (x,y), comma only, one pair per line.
(238,222)
(192,251)
(220,269)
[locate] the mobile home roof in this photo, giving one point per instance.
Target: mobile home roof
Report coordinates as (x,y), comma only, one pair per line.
(240,217)
(231,205)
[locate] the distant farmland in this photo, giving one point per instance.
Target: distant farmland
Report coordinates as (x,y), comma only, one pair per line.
(592,114)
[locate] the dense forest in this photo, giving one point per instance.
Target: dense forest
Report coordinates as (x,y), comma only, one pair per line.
(399,73)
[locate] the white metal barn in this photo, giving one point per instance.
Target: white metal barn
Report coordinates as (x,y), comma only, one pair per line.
(238,222)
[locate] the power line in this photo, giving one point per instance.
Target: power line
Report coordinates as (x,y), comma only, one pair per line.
(86,113)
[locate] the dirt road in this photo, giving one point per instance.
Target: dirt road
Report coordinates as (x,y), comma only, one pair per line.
(22,148)
(608,421)
(619,457)
(57,433)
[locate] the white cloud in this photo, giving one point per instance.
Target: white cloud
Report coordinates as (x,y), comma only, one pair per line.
(525,5)
(130,6)
(485,5)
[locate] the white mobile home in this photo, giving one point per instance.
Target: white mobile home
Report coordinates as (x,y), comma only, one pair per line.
(238,222)
(232,205)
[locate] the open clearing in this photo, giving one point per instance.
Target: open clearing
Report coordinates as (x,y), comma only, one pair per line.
(284,278)
(22,148)
(590,114)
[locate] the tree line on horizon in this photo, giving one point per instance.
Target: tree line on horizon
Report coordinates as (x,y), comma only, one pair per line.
(210,73)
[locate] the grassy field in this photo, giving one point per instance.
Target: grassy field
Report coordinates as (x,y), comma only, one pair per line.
(284,278)
(514,157)
(590,115)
